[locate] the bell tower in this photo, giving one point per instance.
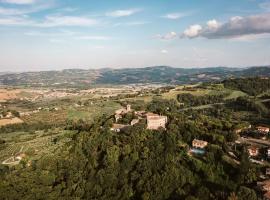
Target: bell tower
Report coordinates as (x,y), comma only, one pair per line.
(128,108)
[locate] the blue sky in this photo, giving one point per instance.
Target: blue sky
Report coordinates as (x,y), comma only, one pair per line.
(58,34)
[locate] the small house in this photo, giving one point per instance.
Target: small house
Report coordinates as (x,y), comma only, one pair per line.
(253,151)
(263,129)
(199,144)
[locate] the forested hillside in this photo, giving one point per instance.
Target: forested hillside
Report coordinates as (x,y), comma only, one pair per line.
(138,163)
(251,86)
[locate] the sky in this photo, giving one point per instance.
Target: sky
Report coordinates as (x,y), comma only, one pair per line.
(59,34)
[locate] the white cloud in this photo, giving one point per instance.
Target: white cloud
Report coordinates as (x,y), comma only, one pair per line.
(16,21)
(236,27)
(212,24)
(20,2)
(93,38)
(135,23)
(123,13)
(25,10)
(168,36)
(174,16)
(192,31)
(49,21)
(11,11)
(53,21)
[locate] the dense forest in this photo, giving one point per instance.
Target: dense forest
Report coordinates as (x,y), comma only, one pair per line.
(191,100)
(251,86)
(138,163)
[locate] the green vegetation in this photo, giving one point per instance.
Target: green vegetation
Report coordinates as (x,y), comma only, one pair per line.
(251,86)
(191,100)
(138,163)
(83,79)
(71,152)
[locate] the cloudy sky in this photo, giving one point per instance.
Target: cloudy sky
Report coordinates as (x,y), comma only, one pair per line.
(58,34)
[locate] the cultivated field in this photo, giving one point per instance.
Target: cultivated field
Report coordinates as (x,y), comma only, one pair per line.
(15,120)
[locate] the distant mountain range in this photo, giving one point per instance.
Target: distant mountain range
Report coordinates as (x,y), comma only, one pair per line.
(158,74)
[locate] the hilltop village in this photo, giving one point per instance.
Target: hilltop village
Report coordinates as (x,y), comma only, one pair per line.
(203,141)
(256,148)
(154,121)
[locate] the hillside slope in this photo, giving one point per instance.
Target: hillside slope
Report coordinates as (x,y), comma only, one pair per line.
(159,74)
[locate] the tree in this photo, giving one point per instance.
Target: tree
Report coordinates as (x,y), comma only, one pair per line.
(245,193)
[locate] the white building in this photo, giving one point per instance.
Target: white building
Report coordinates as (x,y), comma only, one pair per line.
(154,121)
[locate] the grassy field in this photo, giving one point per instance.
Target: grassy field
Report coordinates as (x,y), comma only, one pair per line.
(146,99)
(219,90)
(234,94)
(172,94)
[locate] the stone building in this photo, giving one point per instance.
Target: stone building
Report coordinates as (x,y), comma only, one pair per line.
(118,113)
(155,121)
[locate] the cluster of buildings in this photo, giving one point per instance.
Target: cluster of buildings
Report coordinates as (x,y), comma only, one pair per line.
(154,121)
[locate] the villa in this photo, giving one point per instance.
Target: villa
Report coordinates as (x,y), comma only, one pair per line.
(199,144)
(154,121)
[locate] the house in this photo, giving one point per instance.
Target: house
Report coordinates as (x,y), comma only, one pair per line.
(253,151)
(118,127)
(134,121)
(199,144)
(263,129)
(154,121)
(122,111)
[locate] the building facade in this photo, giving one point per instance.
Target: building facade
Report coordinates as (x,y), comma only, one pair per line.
(154,121)
(199,144)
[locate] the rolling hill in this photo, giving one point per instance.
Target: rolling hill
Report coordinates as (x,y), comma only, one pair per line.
(158,74)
